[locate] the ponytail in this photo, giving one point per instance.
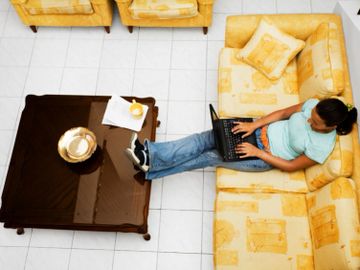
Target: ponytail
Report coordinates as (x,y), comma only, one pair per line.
(335,113)
(345,126)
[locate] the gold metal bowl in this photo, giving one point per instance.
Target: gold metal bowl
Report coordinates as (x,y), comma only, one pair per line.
(77,144)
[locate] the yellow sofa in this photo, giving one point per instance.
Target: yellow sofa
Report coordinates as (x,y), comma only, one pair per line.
(306,219)
(36,13)
(169,13)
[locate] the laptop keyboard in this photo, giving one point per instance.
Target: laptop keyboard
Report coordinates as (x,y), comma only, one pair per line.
(231,138)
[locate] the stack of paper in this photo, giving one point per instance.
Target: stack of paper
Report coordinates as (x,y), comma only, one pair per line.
(117,113)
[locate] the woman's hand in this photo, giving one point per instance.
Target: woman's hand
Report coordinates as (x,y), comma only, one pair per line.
(247,127)
(247,150)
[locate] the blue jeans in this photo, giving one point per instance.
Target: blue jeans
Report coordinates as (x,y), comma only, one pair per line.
(193,152)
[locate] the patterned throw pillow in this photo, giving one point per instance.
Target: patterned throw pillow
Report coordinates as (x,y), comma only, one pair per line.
(320,67)
(270,50)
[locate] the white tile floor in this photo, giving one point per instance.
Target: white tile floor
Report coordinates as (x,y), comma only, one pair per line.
(179,68)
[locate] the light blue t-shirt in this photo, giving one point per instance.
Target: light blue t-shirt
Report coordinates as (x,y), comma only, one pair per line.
(290,138)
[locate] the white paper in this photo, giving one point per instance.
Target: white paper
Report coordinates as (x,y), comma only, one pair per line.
(117,113)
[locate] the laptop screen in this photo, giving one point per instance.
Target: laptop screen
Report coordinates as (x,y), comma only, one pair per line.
(214,116)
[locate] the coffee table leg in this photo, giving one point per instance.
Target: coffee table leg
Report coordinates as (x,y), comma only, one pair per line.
(20,231)
(147,236)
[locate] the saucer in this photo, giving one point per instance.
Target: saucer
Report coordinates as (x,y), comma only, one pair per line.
(77,144)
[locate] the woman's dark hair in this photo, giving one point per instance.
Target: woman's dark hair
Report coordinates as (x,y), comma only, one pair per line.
(334,112)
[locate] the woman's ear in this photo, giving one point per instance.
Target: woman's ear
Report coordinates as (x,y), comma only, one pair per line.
(331,128)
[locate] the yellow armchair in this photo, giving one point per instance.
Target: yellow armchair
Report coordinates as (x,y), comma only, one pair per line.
(158,13)
(36,13)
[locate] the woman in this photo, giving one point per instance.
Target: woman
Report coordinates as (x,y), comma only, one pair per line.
(290,139)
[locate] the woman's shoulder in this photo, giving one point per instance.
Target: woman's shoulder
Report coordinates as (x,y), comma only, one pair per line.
(310,104)
(320,145)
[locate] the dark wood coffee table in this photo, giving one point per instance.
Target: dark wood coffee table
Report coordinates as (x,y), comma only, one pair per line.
(105,192)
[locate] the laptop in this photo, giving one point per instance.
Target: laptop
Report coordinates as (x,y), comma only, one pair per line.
(225,140)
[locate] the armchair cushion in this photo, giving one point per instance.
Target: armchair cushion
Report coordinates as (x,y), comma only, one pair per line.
(163,9)
(39,7)
(321,72)
(206,2)
(334,224)
(270,50)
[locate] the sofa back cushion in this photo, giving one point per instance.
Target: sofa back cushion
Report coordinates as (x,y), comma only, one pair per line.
(320,66)
(334,224)
(40,7)
(339,163)
(270,50)
(240,28)
(246,92)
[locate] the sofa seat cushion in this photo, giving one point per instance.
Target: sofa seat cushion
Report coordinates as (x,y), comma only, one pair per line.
(244,91)
(334,223)
(163,9)
(39,7)
(270,181)
(261,231)
(320,66)
(270,50)
(339,163)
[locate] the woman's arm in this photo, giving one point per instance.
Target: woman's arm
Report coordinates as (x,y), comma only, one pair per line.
(301,162)
(249,128)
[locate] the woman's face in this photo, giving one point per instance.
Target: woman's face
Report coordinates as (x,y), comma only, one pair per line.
(317,124)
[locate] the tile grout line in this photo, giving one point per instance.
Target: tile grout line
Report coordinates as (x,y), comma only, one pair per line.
(202,220)
(122,68)
(14,131)
(71,249)
(159,231)
(166,133)
(134,67)
(99,249)
(3,28)
(114,251)
(99,64)
(64,64)
(28,249)
(203,173)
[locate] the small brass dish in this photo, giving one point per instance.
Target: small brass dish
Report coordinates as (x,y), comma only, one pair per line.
(77,144)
